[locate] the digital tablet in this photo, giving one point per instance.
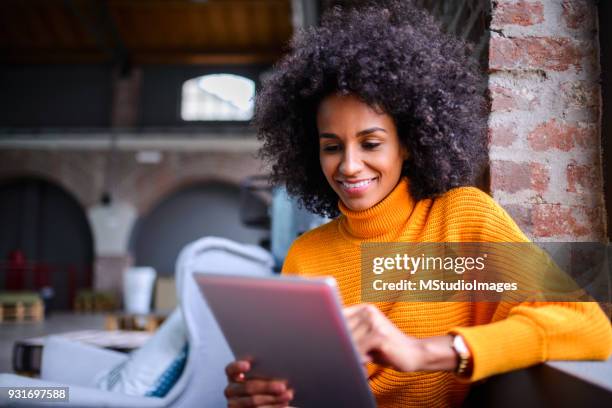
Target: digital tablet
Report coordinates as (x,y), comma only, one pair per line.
(290,328)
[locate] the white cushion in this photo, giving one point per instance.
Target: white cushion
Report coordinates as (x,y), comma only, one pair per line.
(152,369)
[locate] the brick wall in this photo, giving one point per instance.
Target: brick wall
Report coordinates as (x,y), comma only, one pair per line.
(544,127)
(81,173)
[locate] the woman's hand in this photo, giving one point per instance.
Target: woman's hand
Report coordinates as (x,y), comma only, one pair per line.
(379,341)
(254,392)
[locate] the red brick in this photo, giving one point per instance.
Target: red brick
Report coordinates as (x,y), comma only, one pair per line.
(524,13)
(502,135)
(512,177)
(508,99)
(561,136)
(545,53)
(582,178)
(540,178)
(509,176)
(550,220)
(501,99)
(81,172)
(578,13)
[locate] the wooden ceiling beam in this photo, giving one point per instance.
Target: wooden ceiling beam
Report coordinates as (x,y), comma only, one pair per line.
(157,58)
(144,32)
(195,4)
(180,58)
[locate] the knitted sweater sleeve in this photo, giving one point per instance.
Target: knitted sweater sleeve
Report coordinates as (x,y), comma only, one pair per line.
(529,333)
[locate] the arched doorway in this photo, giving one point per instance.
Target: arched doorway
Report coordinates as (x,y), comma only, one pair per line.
(188,214)
(45,227)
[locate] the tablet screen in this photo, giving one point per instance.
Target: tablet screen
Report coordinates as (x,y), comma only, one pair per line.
(290,328)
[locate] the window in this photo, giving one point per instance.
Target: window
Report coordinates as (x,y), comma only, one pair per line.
(217,97)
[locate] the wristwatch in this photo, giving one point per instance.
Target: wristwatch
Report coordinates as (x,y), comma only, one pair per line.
(464,357)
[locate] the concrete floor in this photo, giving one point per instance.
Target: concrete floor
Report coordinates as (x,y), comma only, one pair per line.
(56,323)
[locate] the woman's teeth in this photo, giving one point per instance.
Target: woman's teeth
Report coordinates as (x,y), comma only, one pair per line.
(356,185)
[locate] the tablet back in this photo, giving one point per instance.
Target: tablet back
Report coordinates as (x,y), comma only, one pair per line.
(290,328)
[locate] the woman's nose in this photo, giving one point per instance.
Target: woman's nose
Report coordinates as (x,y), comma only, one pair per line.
(351,163)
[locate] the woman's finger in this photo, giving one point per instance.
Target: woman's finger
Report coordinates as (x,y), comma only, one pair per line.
(261,400)
(253,401)
(255,387)
(241,402)
(366,314)
(353,322)
(235,371)
(361,331)
(357,315)
(350,311)
(367,327)
(360,338)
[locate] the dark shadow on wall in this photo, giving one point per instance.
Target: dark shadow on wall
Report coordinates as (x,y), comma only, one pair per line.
(605,49)
(210,209)
(50,228)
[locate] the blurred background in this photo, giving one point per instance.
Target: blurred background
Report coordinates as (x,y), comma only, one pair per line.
(124,133)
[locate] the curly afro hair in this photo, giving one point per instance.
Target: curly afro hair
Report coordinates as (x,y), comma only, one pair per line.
(395,58)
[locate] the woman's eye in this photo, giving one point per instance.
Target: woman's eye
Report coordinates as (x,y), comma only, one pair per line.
(370,145)
(330,148)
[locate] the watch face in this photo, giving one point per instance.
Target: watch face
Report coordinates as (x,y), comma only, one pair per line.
(459,345)
(464,366)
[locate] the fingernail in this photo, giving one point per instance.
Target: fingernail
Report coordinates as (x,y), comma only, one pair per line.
(278,387)
(286,396)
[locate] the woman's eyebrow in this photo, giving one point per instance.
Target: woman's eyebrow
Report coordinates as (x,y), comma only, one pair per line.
(370,130)
(360,133)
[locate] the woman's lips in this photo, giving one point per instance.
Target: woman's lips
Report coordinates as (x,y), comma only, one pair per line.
(356,188)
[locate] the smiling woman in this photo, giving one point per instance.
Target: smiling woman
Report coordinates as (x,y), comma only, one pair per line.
(376,118)
(396,60)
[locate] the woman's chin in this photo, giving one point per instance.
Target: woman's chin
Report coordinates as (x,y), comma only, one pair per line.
(357,204)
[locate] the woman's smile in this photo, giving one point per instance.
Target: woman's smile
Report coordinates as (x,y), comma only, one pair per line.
(356,187)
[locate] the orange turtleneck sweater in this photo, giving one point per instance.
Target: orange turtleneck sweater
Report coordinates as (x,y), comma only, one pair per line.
(501,337)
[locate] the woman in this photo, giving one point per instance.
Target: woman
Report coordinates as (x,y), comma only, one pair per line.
(376,117)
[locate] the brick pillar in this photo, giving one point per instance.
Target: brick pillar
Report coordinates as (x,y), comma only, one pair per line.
(544,127)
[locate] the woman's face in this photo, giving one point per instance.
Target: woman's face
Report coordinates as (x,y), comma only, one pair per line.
(359,150)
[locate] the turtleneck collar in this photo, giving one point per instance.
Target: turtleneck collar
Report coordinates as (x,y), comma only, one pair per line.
(382,220)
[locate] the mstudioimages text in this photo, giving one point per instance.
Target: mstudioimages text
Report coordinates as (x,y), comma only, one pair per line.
(411,264)
(443,286)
